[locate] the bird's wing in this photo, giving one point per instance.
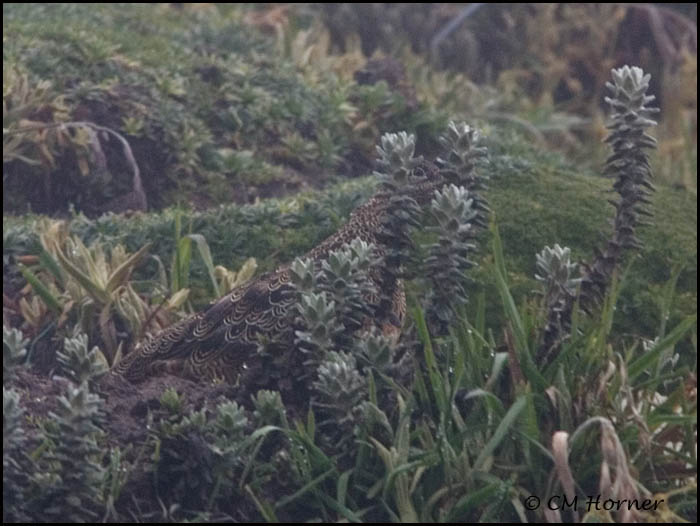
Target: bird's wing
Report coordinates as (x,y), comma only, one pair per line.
(223,334)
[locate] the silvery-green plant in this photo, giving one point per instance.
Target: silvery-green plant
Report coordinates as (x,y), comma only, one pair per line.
(396,161)
(303,274)
(78,364)
(336,296)
(186,444)
(375,350)
(318,320)
(338,389)
(558,276)
(231,420)
(63,482)
(70,488)
(171,400)
(455,216)
(269,409)
(14,351)
(399,173)
(16,463)
(465,153)
(345,278)
(629,165)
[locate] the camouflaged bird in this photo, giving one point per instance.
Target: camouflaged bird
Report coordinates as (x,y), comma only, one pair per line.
(223,341)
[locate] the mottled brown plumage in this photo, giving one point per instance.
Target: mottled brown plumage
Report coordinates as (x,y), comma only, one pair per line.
(224,340)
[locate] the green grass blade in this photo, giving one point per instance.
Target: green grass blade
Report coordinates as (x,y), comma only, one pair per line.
(666,299)
(501,282)
(527,363)
(492,402)
(430,361)
(121,273)
(42,291)
(93,289)
(649,359)
(204,251)
(263,506)
(50,264)
(473,501)
(342,487)
(305,488)
(501,431)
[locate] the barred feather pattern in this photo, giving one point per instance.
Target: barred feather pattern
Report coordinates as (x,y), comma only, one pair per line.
(224,341)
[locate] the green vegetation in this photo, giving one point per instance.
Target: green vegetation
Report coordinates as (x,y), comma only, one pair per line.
(203,104)
(510,379)
(536,203)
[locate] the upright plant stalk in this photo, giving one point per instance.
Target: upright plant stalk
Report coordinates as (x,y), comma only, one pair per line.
(459,213)
(465,151)
(629,166)
(557,274)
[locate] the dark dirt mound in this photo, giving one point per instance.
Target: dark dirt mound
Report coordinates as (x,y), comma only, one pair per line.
(126,405)
(131,412)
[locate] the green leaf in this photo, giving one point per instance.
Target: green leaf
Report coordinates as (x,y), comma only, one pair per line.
(122,272)
(304,489)
(493,403)
(204,251)
(263,506)
(501,431)
(501,281)
(473,501)
(431,364)
(41,289)
(50,264)
(97,292)
(342,486)
(527,363)
(648,360)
